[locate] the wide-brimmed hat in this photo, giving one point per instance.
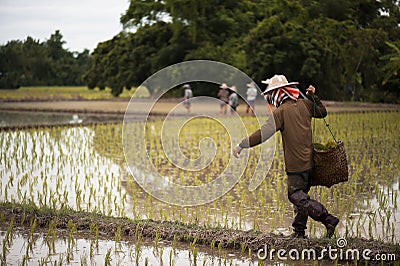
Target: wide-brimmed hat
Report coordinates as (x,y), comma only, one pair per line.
(277,81)
(224,86)
(251,84)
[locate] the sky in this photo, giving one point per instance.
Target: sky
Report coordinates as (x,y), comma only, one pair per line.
(83,23)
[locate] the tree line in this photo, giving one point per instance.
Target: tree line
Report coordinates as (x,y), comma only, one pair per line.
(350,50)
(35,63)
(346,48)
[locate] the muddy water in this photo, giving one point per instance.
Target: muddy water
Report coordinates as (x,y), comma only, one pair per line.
(62,167)
(58,167)
(38,249)
(16,119)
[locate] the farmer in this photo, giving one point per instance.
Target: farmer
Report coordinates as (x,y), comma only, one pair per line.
(188,94)
(292,118)
(251,97)
(233,100)
(223,96)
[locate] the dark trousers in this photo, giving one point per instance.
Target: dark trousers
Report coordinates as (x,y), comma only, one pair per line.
(298,187)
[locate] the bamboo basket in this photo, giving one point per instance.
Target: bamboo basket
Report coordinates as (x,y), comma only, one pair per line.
(330,166)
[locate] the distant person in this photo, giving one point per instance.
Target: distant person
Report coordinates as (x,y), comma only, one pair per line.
(292,117)
(188,94)
(223,96)
(251,97)
(233,100)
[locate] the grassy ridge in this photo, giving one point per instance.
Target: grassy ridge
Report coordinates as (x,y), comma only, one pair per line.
(63,93)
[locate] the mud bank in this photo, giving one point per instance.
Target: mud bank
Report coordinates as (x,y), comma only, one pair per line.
(24,215)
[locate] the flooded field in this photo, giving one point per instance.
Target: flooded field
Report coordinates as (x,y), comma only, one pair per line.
(84,168)
(66,249)
(10,119)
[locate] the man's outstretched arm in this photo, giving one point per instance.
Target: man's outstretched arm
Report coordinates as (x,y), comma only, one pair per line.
(259,136)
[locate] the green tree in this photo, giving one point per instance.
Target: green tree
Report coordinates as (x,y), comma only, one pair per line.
(393,63)
(206,29)
(391,81)
(334,44)
(128,59)
(31,62)
(11,65)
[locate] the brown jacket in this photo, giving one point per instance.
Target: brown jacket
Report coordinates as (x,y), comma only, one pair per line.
(293,120)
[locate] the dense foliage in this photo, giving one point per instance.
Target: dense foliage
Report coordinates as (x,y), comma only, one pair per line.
(347,48)
(350,50)
(31,62)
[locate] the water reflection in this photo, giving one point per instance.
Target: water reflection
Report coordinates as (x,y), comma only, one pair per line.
(64,250)
(18,119)
(83,168)
(58,167)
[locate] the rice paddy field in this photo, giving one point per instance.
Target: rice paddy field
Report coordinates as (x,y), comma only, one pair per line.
(64,93)
(82,169)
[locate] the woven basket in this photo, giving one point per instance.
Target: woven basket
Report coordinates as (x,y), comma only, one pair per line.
(330,166)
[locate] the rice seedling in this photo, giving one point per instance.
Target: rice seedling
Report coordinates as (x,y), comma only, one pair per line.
(156,239)
(7,241)
(83,259)
(107,258)
(138,249)
(83,168)
(51,237)
(171,258)
(4,252)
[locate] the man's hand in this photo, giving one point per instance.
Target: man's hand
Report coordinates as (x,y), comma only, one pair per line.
(310,90)
(236,151)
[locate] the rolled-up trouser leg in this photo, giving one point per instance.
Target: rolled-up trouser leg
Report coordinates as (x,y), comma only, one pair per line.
(298,187)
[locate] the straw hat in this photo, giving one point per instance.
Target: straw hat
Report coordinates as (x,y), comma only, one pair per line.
(224,86)
(277,81)
(251,84)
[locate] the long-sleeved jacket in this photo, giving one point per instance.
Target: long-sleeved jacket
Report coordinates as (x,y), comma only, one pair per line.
(293,120)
